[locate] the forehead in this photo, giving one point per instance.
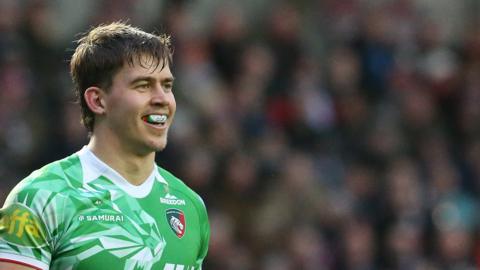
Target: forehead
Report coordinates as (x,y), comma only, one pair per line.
(145,65)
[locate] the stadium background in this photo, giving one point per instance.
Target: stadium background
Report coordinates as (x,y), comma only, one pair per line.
(321,134)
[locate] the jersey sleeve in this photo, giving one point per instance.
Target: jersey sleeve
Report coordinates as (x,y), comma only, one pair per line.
(205,231)
(27,221)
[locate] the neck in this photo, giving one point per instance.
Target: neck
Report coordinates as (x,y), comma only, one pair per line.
(133,167)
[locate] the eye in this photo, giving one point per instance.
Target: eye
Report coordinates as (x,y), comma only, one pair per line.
(142,86)
(168,86)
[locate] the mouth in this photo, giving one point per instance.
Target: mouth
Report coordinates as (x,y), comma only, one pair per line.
(158,120)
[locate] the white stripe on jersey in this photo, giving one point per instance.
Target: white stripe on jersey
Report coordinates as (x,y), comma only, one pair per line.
(24,260)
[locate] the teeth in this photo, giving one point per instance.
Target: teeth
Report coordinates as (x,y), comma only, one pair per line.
(157,118)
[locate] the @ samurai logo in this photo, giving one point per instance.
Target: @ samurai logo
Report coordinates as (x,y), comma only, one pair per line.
(176,220)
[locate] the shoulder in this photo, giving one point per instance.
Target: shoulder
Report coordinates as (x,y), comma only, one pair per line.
(177,184)
(55,178)
(200,208)
(40,200)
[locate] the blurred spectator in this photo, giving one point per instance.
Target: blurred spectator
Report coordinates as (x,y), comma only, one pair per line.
(322,134)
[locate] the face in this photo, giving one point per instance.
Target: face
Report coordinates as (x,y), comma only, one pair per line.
(139,107)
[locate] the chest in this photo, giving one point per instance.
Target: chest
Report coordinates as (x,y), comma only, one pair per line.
(116,231)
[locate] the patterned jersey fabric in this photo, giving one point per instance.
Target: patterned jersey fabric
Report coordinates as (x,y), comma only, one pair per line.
(78,213)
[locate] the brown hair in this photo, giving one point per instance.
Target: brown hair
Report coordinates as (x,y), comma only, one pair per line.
(103,51)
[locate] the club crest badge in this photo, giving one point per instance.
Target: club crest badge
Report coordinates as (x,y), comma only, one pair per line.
(176,220)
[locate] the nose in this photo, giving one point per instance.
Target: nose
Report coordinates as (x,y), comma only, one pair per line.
(159,96)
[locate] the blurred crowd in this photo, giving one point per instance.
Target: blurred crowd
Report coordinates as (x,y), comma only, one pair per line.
(333,134)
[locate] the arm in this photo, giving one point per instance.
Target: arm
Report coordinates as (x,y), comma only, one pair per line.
(205,230)
(24,239)
(15,266)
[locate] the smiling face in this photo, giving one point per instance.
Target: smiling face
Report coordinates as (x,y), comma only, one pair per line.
(139,107)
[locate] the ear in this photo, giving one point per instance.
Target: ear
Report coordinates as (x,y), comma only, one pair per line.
(94,97)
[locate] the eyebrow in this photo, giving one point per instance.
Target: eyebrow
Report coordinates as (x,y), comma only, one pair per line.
(149,79)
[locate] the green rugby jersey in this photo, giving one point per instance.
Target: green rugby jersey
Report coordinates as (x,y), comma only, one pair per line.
(78,213)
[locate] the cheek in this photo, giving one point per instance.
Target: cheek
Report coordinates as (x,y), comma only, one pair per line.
(173,104)
(124,110)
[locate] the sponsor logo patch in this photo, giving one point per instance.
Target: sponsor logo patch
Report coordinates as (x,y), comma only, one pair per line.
(172,200)
(101,217)
(171,266)
(20,226)
(176,220)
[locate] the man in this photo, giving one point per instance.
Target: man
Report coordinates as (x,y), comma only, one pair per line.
(109,206)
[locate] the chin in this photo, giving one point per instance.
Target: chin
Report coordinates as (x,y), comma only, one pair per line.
(159,146)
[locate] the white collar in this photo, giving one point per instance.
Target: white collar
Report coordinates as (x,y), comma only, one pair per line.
(93,168)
